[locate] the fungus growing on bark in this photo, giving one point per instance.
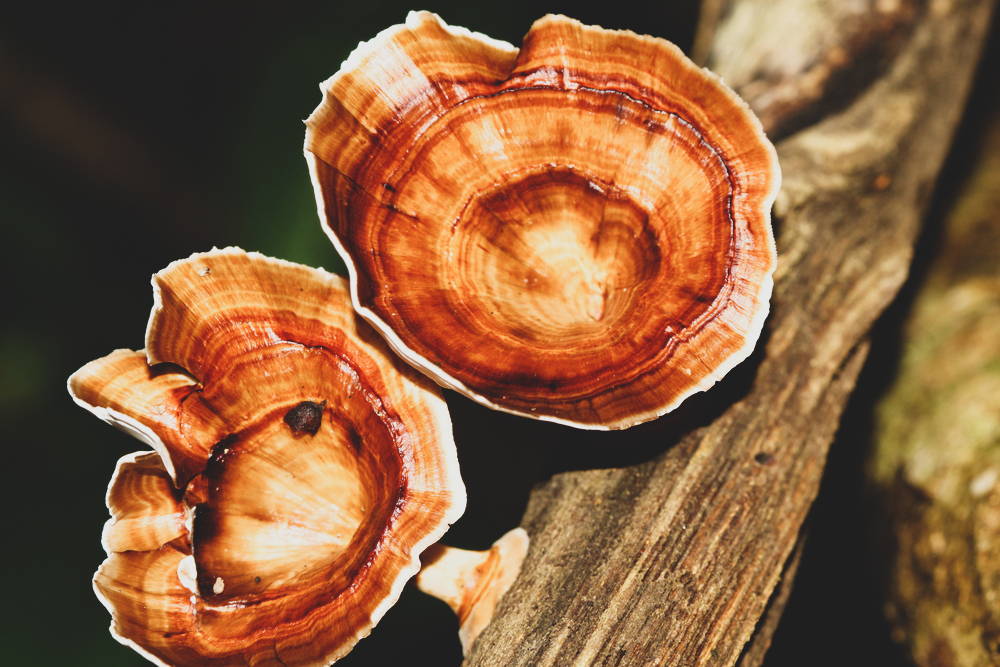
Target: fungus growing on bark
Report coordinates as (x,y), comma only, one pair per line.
(575,231)
(472,582)
(299,469)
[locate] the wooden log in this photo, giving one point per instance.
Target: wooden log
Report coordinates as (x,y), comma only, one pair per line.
(674,560)
(936,463)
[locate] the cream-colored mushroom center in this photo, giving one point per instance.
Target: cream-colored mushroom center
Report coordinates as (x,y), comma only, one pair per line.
(542,244)
(305,490)
(552,257)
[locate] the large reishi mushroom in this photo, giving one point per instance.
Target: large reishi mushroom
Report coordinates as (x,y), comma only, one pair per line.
(299,469)
(576,231)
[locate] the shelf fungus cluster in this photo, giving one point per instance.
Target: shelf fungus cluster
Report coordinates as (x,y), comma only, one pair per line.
(577,230)
(298,471)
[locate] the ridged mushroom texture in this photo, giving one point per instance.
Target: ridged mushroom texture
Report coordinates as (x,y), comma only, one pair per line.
(298,469)
(577,230)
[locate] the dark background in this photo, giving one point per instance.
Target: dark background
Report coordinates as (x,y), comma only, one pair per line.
(133,134)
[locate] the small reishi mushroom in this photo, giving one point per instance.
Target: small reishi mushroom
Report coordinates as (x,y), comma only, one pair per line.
(299,469)
(577,231)
(472,582)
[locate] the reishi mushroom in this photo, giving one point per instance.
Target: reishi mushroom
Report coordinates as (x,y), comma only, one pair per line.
(298,471)
(472,582)
(576,231)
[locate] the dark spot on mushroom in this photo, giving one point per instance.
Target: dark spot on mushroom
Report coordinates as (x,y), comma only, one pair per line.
(256,580)
(217,458)
(522,333)
(696,296)
(204,529)
(763,458)
(703,298)
(354,439)
(306,417)
(620,110)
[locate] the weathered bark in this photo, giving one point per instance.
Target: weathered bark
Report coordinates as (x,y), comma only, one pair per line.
(936,463)
(674,560)
(819,55)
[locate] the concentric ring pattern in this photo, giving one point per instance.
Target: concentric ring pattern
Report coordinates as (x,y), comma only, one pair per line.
(299,469)
(577,230)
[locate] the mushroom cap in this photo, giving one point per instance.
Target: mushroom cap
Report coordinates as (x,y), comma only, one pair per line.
(299,468)
(472,582)
(576,231)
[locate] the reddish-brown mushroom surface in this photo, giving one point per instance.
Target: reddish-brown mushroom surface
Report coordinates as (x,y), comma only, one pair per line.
(299,469)
(577,230)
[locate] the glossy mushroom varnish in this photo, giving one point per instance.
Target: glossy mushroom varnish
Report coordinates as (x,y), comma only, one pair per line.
(299,469)
(576,231)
